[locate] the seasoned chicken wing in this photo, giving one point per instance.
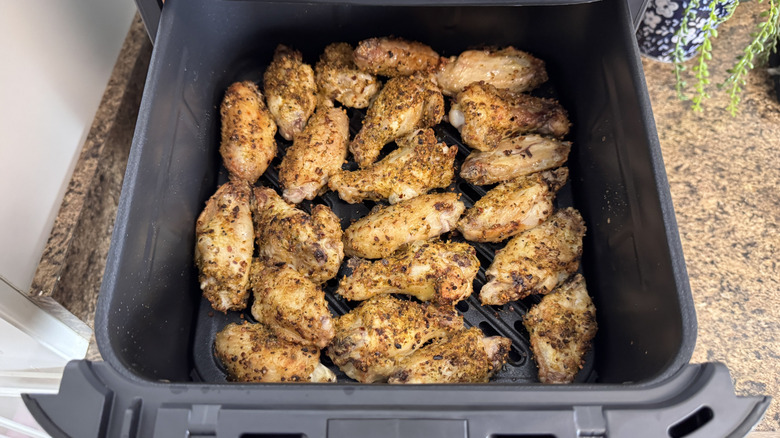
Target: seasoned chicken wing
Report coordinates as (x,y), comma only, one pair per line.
(391,56)
(291,305)
(316,154)
(248,131)
(253,353)
(385,229)
(290,91)
(467,357)
(442,272)
(485,115)
(309,243)
(513,207)
(417,166)
(404,105)
(561,328)
(514,157)
(536,261)
(339,78)
(508,68)
(224,244)
(375,336)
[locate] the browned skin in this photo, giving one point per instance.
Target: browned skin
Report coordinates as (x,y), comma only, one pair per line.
(404,105)
(513,207)
(291,305)
(316,154)
(442,272)
(290,91)
(253,353)
(485,115)
(394,56)
(248,131)
(466,357)
(561,328)
(338,77)
(385,229)
(536,261)
(417,166)
(513,158)
(508,68)
(309,243)
(223,248)
(375,336)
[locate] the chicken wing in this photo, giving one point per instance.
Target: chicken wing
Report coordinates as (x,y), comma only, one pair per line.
(224,244)
(513,207)
(507,68)
(253,353)
(290,91)
(391,56)
(309,243)
(248,131)
(536,261)
(442,272)
(339,78)
(466,357)
(417,166)
(514,157)
(316,154)
(385,229)
(561,328)
(371,339)
(404,105)
(485,115)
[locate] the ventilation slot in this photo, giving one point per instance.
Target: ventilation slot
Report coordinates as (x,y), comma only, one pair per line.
(522,435)
(273,435)
(692,423)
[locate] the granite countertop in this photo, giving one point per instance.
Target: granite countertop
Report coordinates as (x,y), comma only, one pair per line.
(723,174)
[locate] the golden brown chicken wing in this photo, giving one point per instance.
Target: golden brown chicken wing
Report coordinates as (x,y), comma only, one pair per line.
(508,68)
(290,91)
(561,328)
(248,131)
(309,243)
(536,261)
(513,207)
(371,339)
(514,157)
(385,229)
(442,272)
(224,244)
(316,154)
(417,166)
(404,105)
(339,78)
(253,353)
(391,56)
(467,357)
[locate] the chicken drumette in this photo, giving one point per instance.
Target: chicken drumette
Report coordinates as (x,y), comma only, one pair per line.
(390,56)
(339,78)
(507,68)
(290,91)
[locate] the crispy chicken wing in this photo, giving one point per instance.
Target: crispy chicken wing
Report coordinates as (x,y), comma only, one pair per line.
(248,130)
(385,229)
(442,272)
(507,68)
(514,157)
(316,154)
(339,78)
(513,207)
(536,261)
(391,56)
(466,357)
(309,243)
(561,328)
(224,244)
(485,115)
(418,165)
(291,305)
(290,91)
(253,353)
(404,105)
(371,339)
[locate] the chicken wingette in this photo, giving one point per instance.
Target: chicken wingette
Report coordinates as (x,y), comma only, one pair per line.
(290,91)
(338,77)
(507,68)
(391,56)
